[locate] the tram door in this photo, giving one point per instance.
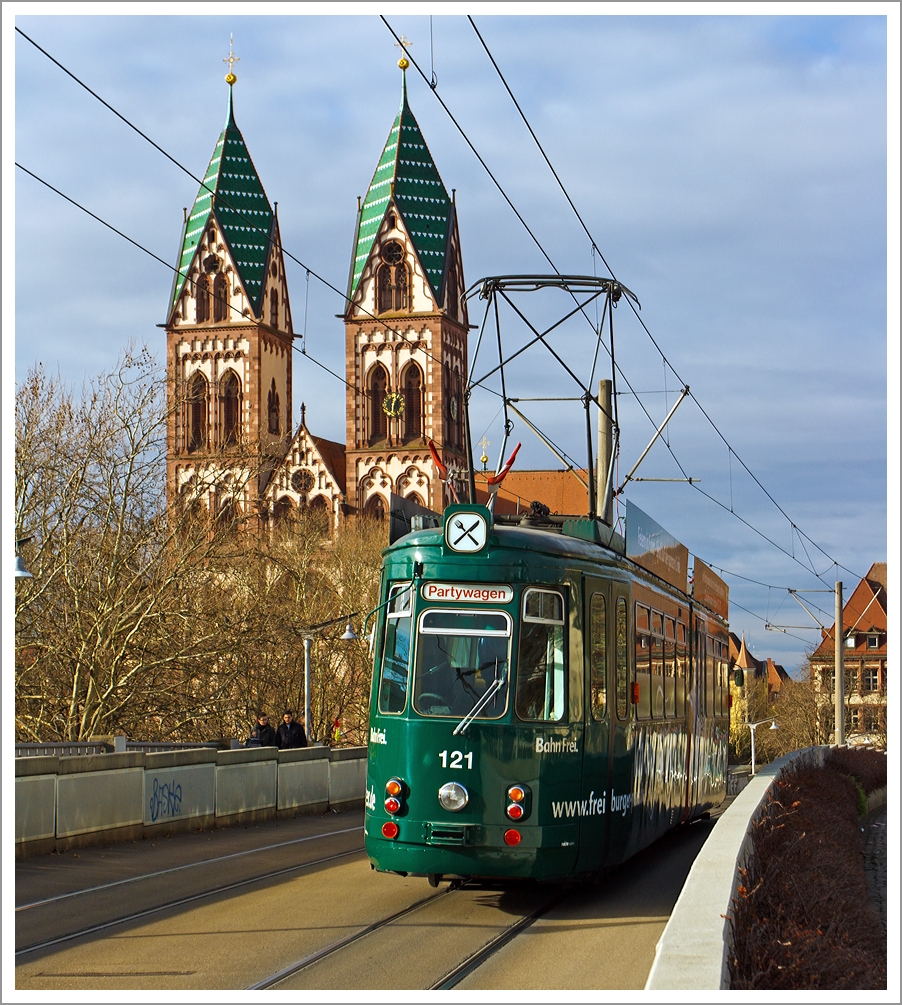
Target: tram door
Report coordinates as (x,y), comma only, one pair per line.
(598,645)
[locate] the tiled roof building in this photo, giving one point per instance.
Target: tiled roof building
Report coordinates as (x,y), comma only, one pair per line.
(864,660)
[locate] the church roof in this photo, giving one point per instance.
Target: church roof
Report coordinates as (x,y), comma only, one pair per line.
(232,189)
(407,172)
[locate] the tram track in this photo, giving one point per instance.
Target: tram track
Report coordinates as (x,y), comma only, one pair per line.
(474,961)
(450,977)
(217,860)
(182,901)
(348,940)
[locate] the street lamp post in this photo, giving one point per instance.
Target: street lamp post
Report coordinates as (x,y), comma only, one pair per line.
(349,636)
(308,643)
(752,726)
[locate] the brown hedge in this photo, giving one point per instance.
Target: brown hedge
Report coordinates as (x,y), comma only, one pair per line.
(802,918)
(866,765)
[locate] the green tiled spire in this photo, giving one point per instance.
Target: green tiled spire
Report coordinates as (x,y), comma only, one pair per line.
(232,187)
(407,166)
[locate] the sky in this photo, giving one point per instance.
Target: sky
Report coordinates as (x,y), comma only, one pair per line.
(731,167)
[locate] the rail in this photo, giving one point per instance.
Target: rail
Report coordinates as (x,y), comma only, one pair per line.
(113,745)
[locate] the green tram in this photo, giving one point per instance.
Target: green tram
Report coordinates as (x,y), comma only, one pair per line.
(548,697)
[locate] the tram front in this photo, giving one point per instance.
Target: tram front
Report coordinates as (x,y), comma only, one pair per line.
(475,748)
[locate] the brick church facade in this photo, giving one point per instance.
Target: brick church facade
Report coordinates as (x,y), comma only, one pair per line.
(231,446)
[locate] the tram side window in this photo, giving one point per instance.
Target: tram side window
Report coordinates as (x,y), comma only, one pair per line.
(710,663)
(396,651)
(682,669)
(723,685)
(598,655)
(643,662)
(669,667)
(541,668)
(657,665)
(623,669)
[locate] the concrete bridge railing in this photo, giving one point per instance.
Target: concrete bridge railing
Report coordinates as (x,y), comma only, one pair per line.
(65,802)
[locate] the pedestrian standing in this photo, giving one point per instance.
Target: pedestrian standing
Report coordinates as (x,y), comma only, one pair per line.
(263,734)
(291,733)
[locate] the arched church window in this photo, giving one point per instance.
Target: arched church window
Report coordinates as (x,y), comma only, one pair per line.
(456,406)
(282,509)
(272,408)
(378,390)
(375,508)
(392,281)
(227,516)
(412,385)
(197,412)
(201,299)
(220,298)
(229,410)
(273,308)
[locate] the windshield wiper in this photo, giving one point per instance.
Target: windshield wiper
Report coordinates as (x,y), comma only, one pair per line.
(493,689)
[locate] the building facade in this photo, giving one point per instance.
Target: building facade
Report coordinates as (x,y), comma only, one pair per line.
(864,640)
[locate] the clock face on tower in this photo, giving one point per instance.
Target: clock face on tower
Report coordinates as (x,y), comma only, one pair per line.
(393,404)
(452,406)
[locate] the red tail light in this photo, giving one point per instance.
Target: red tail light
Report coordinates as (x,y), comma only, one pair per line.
(392,804)
(511,837)
(390,829)
(515,811)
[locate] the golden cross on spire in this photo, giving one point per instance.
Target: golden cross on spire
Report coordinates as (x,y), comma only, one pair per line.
(231,59)
(485,444)
(403,45)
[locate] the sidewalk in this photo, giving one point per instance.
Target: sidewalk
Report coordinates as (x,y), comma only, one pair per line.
(875,859)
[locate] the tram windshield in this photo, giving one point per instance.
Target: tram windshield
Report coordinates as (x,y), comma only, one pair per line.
(460,655)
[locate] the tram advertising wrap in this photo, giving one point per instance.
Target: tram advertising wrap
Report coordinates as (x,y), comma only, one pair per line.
(543,706)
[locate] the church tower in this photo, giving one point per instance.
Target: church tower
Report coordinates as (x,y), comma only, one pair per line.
(229,340)
(405,331)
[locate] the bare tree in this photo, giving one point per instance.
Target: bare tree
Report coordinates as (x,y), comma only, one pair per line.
(164,621)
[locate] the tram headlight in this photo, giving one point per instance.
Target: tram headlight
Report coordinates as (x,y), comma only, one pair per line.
(453,796)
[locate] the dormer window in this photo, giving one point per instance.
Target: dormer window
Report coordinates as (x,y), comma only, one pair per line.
(873,641)
(850,642)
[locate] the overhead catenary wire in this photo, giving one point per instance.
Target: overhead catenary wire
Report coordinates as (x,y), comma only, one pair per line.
(810,567)
(223,201)
(172,268)
(325,282)
(255,226)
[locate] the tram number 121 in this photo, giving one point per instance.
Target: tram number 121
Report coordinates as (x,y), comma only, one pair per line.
(457,759)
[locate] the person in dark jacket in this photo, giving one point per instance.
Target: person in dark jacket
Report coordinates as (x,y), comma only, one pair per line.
(291,734)
(263,734)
